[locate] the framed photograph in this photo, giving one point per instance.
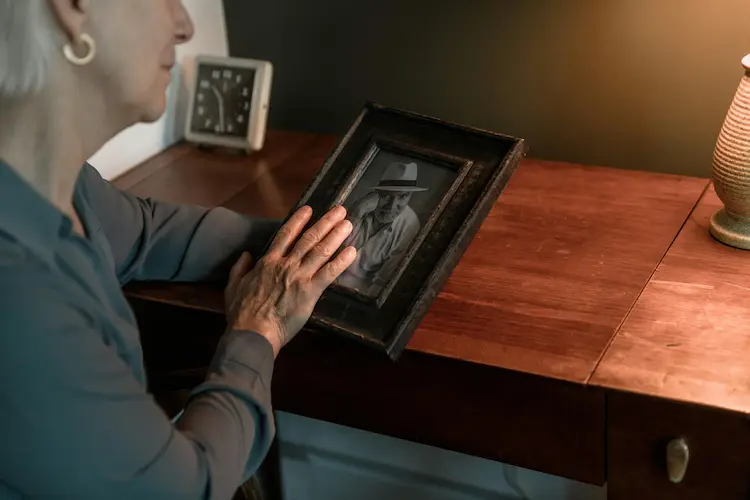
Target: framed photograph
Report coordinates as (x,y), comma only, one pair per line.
(416,190)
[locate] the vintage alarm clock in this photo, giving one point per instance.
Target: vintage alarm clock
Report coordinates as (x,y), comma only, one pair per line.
(228,103)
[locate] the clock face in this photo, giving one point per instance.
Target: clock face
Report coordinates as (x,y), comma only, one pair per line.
(222,100)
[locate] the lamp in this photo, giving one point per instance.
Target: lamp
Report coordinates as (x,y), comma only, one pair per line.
(731,169)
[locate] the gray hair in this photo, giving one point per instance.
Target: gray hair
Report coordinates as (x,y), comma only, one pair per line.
(29,40)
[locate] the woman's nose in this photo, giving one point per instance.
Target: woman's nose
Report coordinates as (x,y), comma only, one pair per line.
(183,24)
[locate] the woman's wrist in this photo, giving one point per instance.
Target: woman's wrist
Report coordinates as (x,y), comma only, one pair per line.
(265,330)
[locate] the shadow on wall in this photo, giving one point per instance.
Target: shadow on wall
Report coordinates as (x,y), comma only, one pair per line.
(626,83)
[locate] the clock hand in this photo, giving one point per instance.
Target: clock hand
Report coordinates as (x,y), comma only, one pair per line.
(221,106)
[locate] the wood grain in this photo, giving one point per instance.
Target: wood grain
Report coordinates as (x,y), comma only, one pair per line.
(209,177)
(687,337)
(273,194)
(134,176)
(639,429)
(549,277)
(555,268)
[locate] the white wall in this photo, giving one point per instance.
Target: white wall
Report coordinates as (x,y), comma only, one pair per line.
(142,141)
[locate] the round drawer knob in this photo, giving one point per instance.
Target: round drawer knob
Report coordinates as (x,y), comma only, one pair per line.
(678,455)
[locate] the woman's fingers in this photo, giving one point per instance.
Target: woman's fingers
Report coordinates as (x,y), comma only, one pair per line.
(317,233)
(289,232)
(329,272)
(322,251)
(315,247)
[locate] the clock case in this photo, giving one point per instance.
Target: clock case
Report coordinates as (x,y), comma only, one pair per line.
(258,116)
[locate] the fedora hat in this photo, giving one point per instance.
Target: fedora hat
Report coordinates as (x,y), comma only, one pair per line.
(399,176)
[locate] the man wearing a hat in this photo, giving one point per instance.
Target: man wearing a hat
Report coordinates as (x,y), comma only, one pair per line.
(384,226)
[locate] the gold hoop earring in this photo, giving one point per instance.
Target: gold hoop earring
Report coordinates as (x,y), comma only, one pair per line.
(81,61)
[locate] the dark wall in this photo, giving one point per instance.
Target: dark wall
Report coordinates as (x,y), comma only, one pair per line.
(638,84)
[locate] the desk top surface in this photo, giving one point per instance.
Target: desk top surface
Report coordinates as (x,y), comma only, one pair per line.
(550,277)
(688,336)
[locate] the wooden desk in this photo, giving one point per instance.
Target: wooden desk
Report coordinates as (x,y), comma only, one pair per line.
(519,359)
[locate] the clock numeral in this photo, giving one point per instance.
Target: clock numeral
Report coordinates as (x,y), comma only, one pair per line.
(217,129)
(246,106)
(245,91)
(239,78)
(240,119)
(227,73)
(216,74)
(201,111)
(230,128)
(201,97)
(205,84)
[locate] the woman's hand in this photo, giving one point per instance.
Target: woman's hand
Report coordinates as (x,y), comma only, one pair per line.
(277,297)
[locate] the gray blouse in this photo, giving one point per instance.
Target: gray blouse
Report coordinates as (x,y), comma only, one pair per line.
(76,420)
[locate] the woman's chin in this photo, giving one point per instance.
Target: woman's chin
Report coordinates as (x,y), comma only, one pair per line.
(153,112)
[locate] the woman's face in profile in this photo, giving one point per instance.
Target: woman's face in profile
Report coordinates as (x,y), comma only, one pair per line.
(136,42)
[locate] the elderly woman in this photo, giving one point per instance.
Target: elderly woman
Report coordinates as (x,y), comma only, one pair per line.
(75,416)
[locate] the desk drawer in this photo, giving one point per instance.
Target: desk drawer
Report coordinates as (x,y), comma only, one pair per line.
(639,431)
(532,422)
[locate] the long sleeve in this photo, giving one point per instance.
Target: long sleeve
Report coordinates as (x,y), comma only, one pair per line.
(154,240)
(76,422)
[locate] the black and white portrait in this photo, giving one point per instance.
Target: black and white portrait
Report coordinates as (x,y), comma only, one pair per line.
(388,207)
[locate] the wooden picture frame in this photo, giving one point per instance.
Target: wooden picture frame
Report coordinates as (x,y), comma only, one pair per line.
(465,168)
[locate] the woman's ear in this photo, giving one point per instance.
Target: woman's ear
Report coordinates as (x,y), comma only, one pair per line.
(72,16)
